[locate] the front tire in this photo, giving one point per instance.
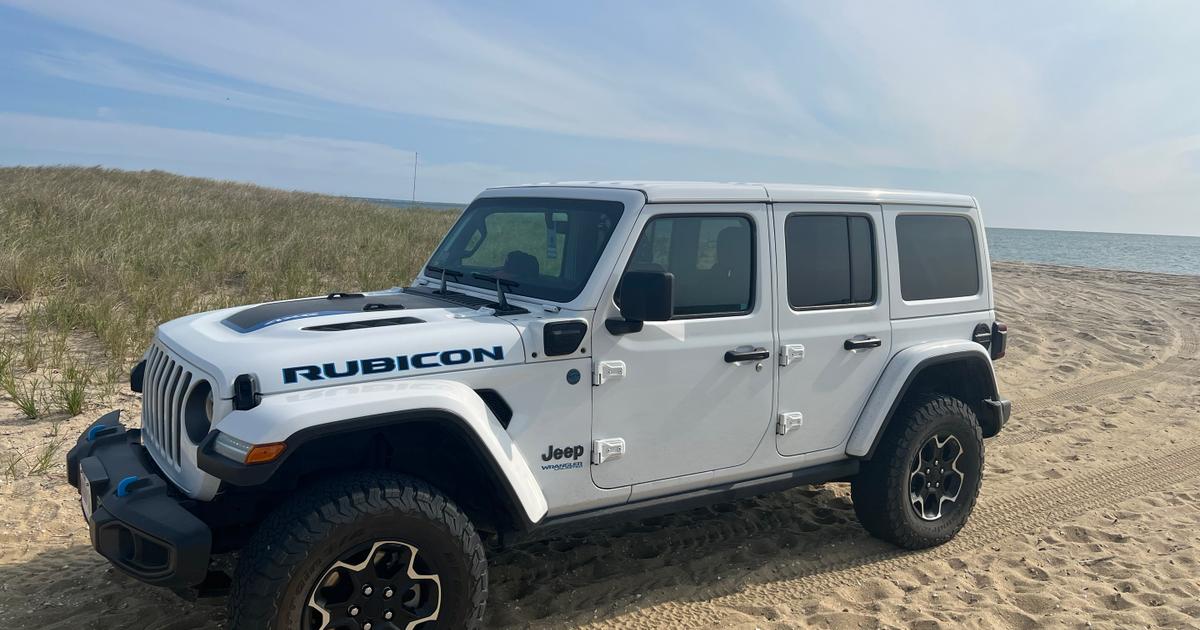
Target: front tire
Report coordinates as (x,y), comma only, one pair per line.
(921,485)
(366,548)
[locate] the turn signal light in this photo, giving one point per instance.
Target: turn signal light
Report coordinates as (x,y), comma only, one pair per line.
(263,453)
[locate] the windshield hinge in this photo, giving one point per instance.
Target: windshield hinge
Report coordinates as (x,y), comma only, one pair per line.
(606,370)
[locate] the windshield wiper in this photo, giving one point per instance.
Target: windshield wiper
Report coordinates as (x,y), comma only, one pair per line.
(453,273)
(501,300)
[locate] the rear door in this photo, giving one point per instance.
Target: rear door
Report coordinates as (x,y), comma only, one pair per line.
(831,319)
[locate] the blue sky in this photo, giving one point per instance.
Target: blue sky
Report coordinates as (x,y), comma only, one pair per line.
(1071,115)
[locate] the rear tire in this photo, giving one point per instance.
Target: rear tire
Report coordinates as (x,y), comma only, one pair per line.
(921,485)
(382,548)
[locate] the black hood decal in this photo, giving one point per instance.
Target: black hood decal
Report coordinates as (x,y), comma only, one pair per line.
(258,317)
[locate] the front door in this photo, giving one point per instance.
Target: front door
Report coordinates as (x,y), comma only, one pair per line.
(832,316)
(682,405)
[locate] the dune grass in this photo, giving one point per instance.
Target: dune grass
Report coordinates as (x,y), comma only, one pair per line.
(108,255)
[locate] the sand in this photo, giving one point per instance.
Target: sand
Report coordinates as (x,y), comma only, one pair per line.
(1089,514)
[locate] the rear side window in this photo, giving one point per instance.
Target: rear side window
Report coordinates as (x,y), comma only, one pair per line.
(711,256)
(937,257)
(830,260)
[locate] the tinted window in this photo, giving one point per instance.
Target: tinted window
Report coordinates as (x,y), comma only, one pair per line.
(937,257)
(548,246)
(712,258)
(830,260)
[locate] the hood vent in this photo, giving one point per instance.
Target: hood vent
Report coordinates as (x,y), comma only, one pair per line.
(367,323)
(261,316)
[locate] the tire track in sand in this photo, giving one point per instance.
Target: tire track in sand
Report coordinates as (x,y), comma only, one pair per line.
(1184,355)
(994,518)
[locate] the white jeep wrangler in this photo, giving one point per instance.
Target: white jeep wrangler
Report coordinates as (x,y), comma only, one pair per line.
(572,352)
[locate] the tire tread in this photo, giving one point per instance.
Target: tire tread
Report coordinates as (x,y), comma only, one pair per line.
(874,491)
(283,539)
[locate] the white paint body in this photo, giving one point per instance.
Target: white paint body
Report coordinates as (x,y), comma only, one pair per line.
(688,419)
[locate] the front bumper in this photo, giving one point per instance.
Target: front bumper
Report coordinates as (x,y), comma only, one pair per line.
(137,520)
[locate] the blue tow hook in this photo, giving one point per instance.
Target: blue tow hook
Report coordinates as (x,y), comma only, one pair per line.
(123,485)
(91,434)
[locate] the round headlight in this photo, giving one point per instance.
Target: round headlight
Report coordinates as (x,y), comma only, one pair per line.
(198,412)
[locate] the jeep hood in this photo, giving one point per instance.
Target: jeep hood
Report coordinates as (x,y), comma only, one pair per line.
(342,339)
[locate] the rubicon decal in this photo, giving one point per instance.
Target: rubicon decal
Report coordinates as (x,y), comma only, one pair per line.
(401,363)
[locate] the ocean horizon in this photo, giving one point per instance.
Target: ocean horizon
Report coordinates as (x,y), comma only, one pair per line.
(1159,253)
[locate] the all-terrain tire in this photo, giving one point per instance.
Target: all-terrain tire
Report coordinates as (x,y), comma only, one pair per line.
(299,543)
(883,490)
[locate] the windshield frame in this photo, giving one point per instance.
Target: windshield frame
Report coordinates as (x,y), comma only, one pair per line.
(468,222)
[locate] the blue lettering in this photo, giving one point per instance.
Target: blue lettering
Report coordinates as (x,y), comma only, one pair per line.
(418,360)
(455,357)
(331,370)
(310,372)
(496,353)
(375,366)
(401,363)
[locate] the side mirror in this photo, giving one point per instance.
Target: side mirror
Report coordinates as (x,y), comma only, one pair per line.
(646,296)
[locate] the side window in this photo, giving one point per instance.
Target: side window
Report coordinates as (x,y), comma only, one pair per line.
(711,256)
(830,260)
(937,256)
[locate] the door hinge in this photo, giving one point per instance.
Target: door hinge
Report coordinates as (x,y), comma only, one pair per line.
(607,450)
(791,353)
(606,370)
(789,420)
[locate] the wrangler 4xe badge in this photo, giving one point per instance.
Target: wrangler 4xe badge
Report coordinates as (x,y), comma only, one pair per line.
(402,363)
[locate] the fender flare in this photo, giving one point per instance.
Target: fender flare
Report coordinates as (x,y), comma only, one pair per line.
(300,417)
(895,381)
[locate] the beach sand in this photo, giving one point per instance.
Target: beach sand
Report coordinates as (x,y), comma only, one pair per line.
(1089,513)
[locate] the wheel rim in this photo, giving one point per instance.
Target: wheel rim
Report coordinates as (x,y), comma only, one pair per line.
(384,585)
(934,478)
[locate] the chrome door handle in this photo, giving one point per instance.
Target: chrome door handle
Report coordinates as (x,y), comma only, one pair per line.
(862,343)
(737,356)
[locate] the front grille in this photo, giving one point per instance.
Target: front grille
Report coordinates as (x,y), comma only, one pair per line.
(166,385)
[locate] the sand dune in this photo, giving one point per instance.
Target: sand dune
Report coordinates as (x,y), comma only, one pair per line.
(1090,512)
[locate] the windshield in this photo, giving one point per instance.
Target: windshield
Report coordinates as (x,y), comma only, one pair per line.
(548,247)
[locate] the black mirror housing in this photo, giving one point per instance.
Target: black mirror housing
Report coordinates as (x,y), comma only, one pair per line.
(647,296)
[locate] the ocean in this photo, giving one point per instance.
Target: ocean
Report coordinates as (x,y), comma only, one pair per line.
(1131,252)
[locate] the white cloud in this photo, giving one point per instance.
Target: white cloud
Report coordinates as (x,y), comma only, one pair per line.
(1093,102)
(102,69)
(328,165)
(418,58)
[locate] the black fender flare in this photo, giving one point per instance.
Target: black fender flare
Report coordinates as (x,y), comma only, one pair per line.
(252,475)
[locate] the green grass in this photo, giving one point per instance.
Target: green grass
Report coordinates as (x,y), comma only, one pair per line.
(71,391)
(7,358)
(112,254)
(27,394)
(47,456)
